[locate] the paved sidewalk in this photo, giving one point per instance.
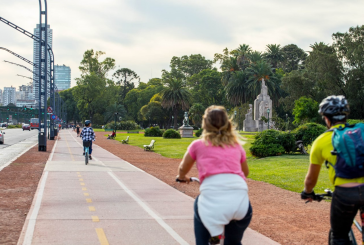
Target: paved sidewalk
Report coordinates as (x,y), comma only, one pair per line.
(108,201)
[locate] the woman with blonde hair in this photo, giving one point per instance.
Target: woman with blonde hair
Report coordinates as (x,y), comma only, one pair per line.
(220,159)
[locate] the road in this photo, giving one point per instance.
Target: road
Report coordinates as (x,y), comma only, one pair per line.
(16,141)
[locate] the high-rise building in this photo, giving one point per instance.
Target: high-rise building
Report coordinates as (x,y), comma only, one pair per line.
(27,90)
(36,47)
(9,95)
(62,77)
(1,96)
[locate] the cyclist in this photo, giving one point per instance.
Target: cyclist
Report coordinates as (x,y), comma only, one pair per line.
(349,192)
(88,134)
(223,202)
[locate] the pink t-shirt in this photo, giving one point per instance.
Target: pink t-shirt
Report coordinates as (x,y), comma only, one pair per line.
(211,160)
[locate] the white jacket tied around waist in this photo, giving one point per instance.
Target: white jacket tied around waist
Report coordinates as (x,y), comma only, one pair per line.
(223,197)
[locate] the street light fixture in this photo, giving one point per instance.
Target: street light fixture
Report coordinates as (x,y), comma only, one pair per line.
(235,116)
(268,110)
(286,122)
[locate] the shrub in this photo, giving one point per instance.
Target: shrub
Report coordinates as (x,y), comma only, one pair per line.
(153,132)
(288,141)
(124,125)
(353,121)
(199,132)
(267,143)
(308,132)
(171,134)
(265,150)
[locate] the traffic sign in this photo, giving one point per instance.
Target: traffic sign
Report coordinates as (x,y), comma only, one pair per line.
(50,109)
(53,117)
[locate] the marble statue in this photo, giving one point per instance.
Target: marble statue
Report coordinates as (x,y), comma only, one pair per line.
(261,104)
(186,130)
(186,121)
(249,123)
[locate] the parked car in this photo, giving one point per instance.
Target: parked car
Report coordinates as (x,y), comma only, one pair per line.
(2,137)
(26,127)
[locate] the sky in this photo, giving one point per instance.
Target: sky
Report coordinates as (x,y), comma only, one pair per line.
(144,35)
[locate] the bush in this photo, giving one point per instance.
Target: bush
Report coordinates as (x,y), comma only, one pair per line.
(199,132)
(353,121)
(265,150)
(171,134)
(124,125)
(153,132)
(308,132)
(288,141)
(267,143)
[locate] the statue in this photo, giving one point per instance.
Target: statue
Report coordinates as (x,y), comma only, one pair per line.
(261,104)
(249,123)
(186,122)
(249,115)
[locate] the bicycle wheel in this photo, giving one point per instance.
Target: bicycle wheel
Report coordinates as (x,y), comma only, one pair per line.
(352,237)
(86,155)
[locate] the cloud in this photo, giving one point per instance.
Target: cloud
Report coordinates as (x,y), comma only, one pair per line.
(144,35)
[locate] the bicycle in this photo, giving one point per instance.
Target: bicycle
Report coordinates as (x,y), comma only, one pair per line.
(213,240)
(329,193)
(86,146)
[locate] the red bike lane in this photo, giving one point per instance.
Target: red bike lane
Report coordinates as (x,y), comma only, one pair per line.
(108,201)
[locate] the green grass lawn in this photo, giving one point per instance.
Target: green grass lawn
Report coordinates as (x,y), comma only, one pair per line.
(286,171)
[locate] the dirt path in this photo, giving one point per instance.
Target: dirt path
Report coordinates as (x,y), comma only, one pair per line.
(278,214)
(18,183)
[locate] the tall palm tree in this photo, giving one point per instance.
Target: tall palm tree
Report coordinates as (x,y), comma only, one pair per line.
(237,89)
(176,97)
(259,71)
(274,55)
(255,56)
(196,112)
(242,54)
(228,67)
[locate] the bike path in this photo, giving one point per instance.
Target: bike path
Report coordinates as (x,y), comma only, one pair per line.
(109,201)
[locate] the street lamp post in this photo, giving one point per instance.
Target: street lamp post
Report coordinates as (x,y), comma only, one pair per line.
(116,116)
(286,122)
(235,117)
(268,110)
(172,119)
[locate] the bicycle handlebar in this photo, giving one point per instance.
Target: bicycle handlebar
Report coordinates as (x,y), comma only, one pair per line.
(320,197)
(192,179)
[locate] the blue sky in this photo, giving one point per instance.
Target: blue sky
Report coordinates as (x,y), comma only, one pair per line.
(143,35)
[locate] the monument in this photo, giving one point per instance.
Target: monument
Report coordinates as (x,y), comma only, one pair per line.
(261,105)
(186,130)
(249,124)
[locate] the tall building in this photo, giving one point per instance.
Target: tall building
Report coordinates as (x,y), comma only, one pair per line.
(1,96)
(62,77)
(9,95)
(36,60)
(27,91)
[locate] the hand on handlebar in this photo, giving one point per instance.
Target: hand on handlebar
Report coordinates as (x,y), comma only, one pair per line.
(309,197)
(184,179)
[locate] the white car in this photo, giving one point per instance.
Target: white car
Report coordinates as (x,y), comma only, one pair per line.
(2,137)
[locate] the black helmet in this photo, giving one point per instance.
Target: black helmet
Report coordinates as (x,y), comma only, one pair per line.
(335,107)
(87,122)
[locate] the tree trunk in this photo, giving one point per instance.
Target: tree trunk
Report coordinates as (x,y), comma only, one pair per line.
(175,112)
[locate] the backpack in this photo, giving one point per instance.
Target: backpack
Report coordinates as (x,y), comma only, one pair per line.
(349,148)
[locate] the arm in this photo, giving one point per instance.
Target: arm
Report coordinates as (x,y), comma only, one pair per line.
(312,177)
(185,166)
(245,168)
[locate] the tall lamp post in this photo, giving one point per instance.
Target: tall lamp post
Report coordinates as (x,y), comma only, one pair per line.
(268,110)
(116,116)
(286,122)
(235,117)
(172,120)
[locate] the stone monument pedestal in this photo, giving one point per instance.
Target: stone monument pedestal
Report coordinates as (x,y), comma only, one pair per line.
(186,131)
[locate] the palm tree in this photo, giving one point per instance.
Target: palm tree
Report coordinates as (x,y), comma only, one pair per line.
(274,55)
(255,56)
(242,54)
(259,71)
(196,112)
(112,109)
(228,67)
(237,89)
(176,97)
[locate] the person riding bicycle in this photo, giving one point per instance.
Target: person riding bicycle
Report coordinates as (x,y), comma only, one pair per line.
(88,134)
(220,159)
(349,192)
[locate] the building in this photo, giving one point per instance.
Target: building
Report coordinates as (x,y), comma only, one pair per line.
(27,103)
(36,60)
(9,95)
(62,77)
(1,97)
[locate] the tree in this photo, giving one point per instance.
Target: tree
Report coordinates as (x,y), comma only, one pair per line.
(187,66)
(350,50)
(305,110)
(196,112)
(175,96)
(294,58)
(112,109)
(91,64)
(125,78)
(71,105)
(274,55)
(237,90)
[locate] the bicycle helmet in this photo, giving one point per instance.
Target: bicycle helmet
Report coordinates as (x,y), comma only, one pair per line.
(335,107)
(87,122)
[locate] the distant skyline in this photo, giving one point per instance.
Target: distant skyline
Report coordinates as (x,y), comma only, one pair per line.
(144,35)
